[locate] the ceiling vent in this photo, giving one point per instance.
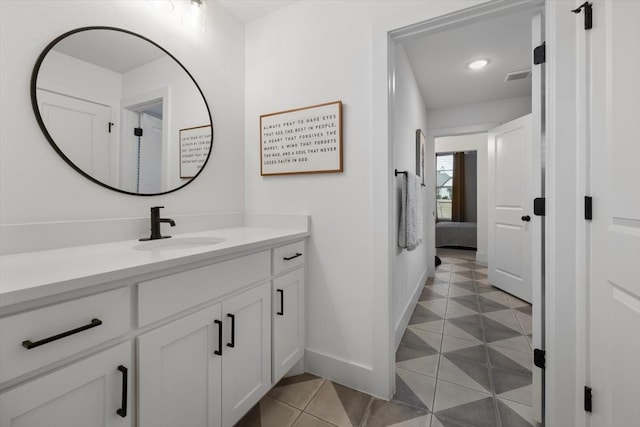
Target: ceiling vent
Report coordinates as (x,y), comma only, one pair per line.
(517,75)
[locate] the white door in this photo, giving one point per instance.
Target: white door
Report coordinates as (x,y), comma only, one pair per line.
(81,130)
(614,312)
(86,393)
(179,374)
(246,355)
(288,322)
(150,155)
(510,201)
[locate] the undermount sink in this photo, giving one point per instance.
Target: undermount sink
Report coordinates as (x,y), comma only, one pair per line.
(178,243)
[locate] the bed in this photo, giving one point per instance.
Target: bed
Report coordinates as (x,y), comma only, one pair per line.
(458,234)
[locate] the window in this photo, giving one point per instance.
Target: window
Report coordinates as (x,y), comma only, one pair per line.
(444,186)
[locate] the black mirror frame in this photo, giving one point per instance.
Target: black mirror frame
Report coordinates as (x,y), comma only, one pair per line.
(43,128)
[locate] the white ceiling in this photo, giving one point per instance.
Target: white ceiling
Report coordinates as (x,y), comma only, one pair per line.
(106,49)
(247,10)
(439,61)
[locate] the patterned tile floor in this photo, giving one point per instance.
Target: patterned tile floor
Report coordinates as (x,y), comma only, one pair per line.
(464,360)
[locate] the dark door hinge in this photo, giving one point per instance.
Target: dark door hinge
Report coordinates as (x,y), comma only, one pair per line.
(588,14)
(588,399)
(137,131)
(540,54)
(111,124)
(539,358)
(539,206)
(588,207)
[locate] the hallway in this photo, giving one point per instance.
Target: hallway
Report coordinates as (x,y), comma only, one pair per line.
(464,360)
(466,354)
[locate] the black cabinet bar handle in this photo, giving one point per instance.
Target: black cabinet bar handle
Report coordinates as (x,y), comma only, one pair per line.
(233,330)
(281,312)
(219,350)
(292,257)
(29,344)
(125,379)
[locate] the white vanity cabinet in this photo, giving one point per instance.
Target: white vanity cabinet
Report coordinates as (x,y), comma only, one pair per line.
(246,355)
(288,312)
(92,391)
(179,377)
(95,391)
(172,341)
(208,368)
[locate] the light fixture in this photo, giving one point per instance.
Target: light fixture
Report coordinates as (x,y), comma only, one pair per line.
(477,64)
(195,16)
(163,5)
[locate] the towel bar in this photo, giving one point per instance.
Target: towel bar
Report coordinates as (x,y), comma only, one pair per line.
(397,172)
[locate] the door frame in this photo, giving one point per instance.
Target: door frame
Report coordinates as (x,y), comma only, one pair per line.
(134,102)
(564,373)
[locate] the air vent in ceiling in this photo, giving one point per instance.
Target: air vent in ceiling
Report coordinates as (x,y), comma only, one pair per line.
(517,75)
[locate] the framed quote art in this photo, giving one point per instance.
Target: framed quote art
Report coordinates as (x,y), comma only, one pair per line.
(195,145)
(303,140)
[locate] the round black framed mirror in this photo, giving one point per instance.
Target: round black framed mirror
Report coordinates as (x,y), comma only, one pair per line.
(122,111)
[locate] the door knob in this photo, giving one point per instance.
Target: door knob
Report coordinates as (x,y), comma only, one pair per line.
(526,218)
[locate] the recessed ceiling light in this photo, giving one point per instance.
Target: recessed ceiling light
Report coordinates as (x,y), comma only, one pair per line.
(477,64)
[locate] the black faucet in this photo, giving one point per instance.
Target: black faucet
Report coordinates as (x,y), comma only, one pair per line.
(155,224)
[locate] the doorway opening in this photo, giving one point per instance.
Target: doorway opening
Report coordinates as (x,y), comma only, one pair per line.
(457,202)
(144,143)
(459,304)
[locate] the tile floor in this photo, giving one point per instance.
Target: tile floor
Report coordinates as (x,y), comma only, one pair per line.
(464,360)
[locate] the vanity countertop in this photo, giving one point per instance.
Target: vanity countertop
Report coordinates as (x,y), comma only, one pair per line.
(32,275)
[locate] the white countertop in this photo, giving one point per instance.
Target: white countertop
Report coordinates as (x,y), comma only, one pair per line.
(32,275)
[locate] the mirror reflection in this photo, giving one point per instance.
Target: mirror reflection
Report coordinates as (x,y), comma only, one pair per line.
(121,111)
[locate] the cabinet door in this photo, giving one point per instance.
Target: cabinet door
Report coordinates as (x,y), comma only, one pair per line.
(86,393)
(179,374)
(246,356)
(288,322)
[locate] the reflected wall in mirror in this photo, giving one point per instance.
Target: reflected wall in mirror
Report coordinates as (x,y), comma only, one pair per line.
(112,103)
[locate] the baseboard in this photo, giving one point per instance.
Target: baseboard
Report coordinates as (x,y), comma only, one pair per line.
(297,369)
(481,258)
(350,374)
(402,323)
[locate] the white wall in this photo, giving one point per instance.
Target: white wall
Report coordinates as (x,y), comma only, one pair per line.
(73,77)
(309,53)
(38,190)
(410,268)
(475,142)
(492,113)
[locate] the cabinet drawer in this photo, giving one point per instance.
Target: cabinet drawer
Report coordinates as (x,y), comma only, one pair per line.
(162,297)
(61,330)
(289,256)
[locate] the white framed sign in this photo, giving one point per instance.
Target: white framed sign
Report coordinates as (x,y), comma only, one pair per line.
(303,140)
(195,146)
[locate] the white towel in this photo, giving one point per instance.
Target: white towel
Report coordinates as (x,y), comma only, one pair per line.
(410,230)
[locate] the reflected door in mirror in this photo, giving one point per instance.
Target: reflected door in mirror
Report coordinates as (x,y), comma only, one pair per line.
(82,128)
